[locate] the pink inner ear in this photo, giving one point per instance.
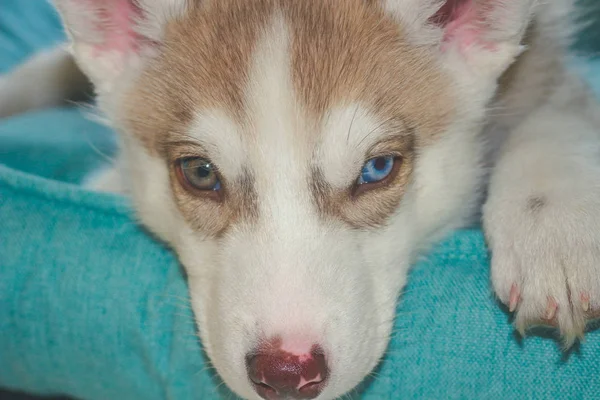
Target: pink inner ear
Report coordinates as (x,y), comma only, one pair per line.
(449,12)
(115,20)
(461,21)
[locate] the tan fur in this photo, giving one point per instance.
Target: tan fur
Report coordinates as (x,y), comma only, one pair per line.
(364,59)
(342,52)
(350,51)
(205,212)
(203,64)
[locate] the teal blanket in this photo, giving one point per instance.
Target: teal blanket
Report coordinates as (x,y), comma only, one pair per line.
(92,307)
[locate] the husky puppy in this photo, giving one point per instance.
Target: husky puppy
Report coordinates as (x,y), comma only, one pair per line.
(298,156)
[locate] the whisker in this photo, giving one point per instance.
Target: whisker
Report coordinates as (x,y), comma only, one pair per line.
(373,131)
(351,124)
(208,367)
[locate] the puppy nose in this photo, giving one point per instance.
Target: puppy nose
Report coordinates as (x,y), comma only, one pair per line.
(277,374)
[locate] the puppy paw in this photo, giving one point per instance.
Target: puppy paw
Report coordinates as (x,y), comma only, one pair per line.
(13,96)
(546,259)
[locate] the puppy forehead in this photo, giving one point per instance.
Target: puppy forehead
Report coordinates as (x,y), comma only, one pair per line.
(339,53)
(348,133)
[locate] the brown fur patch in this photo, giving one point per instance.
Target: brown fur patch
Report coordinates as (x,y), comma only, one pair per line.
(353,52)
(350,51)
(213,216)
(203,64)
(342,52)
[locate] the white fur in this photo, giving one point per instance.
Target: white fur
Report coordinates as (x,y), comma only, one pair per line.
(109,179)
(543,214)
(222,138)
(289,274)
(348,133)
(506,23)
(293,274)
(148,182)
(414,16)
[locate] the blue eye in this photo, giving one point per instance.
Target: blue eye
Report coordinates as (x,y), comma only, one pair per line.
(377,169)
(199,173)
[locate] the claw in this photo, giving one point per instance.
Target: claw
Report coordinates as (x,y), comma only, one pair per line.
(585,302)
(514,298)
(551,309)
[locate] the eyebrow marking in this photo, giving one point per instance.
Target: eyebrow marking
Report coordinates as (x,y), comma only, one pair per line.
(370,209)
(395,124)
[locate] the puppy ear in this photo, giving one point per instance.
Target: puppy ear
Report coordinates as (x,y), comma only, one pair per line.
(484,34)
(110,36)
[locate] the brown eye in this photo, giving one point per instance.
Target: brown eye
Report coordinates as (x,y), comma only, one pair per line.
(199,174)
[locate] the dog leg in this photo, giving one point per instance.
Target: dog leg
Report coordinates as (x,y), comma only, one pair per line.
(542,217)
(47,79)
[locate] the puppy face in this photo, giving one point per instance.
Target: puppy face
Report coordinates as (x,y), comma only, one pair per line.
(297,156)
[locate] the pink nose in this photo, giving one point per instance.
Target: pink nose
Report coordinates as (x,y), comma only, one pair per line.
(277,374)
